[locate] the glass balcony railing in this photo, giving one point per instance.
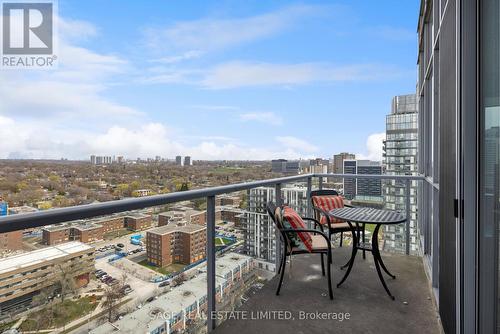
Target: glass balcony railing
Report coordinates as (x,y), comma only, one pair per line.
(138,285)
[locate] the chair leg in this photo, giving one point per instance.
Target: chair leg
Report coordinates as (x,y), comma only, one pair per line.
(279,268)
(341,237)
(323,265)
(330,290)
(283,259)
(363,234)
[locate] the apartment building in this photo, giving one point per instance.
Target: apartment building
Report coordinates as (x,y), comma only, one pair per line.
(284,166)
(176,243)
(87,232)
(400,158)
(363,189)
(189,302)
(56,234)
(166,218)
(11,241)
(111,224)
(138,222)
(258,231)
(227,200)
(93,230)
(222,214)
(23,276)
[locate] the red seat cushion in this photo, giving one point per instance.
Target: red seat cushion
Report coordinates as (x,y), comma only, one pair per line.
(328,203)
(294,221)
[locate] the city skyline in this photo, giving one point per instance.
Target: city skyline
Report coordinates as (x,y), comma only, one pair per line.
(162,90)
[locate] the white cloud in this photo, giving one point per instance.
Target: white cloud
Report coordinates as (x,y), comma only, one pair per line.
(263,117)
(245,74)
(75,90)
(236,74)
(40,140)
(69,29)
(178,58)
(213,34)
(295,143)
(374,147)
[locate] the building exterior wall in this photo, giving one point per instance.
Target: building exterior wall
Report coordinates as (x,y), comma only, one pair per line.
(112,224)
(11,240)
(25,280)
(138,223)
(50,237)
(400,158)
(259,232)
(176,246)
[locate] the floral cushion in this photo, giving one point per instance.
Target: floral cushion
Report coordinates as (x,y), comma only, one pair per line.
(328,203)
(291,220)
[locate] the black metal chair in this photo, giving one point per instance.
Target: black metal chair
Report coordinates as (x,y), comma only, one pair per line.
(321,244)
(333,227)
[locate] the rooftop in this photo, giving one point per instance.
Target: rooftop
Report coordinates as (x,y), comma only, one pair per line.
(41,255)
(361,295)
(173,302)
(186,228)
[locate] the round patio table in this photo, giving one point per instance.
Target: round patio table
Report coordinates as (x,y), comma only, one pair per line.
(368,216)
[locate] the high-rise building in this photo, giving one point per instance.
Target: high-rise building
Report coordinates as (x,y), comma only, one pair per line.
(285,166)
(187,160)
(363,189)
(258,230)
(178,160)
(100,160)
(400,158)
(338,163)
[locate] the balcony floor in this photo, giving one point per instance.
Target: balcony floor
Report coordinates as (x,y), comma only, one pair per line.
(361,295)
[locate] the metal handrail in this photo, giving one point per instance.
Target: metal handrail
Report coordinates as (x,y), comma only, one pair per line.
(59,215)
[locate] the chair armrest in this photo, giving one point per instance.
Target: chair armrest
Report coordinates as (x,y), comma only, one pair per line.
(296,231)
(316,223)
(349,206)
(326,214)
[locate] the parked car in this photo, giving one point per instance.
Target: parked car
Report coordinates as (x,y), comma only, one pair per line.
(120,245)
(164,284)
(101,274)
(150,299)
(113,281)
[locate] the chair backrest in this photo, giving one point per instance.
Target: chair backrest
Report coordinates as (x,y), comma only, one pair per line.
(271,211)
(323,192)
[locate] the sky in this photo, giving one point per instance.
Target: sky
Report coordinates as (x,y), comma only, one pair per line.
(239,80)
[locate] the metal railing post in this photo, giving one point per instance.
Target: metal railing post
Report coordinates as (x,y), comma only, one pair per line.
(408,217)
(320,184)
(211,323)
(309,189)
(279,201)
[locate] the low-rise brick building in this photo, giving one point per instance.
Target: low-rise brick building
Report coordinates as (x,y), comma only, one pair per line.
(11,240)
(176,243)
(138,222)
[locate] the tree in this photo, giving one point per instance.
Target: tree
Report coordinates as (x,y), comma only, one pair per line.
(66,281)
(112,295)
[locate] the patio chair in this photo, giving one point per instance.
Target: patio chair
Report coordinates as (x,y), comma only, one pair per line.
(325,200)
(297,239)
